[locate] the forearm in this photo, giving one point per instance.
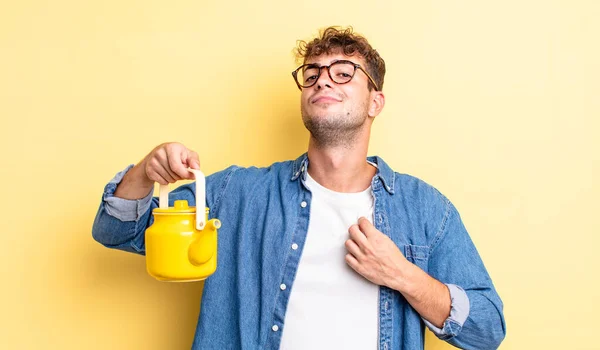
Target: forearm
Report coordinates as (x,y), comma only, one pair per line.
(112,232)
(120,223)
(428,296)
(476,318)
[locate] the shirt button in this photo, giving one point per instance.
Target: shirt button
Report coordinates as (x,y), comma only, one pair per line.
(303,204)
(275,328)
(294,246)
(282,286)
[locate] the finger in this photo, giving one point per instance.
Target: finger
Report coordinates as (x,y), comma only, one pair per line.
(160,164)
(164,173)
(357,236)
(172,165)
(173,161)
(192,159)
(354,250)
(366,226)
(353,263)
(155,176)
(167,164)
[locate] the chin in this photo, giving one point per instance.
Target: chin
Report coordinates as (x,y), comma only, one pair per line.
(324,110)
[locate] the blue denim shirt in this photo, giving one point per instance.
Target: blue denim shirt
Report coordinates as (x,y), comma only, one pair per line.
(265,210)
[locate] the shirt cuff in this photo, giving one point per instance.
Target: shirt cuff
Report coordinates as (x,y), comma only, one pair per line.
(459,311)
(124,209)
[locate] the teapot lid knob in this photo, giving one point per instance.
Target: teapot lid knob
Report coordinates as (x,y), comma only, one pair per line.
(200,198)
(181,204)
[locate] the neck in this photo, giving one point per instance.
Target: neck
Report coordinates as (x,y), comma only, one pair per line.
(341,168)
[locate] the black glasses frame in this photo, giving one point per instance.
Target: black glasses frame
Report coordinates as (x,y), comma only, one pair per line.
(313,65)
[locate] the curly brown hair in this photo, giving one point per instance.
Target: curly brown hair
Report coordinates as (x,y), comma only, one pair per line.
(343,40)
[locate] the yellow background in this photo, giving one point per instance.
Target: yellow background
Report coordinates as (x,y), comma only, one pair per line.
(494,103)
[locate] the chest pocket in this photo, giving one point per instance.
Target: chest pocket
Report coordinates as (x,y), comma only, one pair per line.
(417,254)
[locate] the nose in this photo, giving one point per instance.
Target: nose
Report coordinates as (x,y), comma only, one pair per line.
(323,79)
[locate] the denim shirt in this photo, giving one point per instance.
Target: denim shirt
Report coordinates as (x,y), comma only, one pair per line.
(264,211)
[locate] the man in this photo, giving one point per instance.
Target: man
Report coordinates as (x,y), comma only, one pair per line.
(333,250)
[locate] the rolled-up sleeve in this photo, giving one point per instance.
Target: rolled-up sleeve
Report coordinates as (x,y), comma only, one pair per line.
(124,209)
(459,311)
(121,223)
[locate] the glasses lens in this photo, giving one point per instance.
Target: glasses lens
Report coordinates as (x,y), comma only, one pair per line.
(342,72)
(308,75)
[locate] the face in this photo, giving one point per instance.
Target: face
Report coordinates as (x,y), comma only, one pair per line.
(335,113)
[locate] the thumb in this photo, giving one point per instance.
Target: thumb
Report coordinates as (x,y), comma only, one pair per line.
(192,159)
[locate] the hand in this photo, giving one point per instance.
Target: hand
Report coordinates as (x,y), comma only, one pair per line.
(168,163)
(374,255)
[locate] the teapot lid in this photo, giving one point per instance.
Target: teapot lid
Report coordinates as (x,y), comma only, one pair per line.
(179,207)
(163,200)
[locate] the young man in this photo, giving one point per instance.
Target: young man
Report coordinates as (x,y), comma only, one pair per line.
(333,250)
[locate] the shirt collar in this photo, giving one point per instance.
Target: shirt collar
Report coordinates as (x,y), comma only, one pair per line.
(384,172)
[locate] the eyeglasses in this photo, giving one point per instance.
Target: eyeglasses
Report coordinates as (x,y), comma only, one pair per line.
(340,72)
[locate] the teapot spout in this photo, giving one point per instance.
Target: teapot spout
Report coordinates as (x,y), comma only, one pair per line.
(213,224)
(204,247)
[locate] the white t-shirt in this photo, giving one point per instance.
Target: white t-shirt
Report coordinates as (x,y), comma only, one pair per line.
(331,306)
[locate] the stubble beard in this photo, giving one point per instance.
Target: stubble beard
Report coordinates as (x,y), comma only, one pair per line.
(335,130)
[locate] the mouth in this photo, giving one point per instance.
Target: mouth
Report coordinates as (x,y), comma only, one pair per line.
(325,100)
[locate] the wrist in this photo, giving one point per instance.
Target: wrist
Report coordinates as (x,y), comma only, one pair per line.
(404,277)
(138,173)
(135,184)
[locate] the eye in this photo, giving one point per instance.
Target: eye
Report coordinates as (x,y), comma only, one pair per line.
(310,74)
(310,78)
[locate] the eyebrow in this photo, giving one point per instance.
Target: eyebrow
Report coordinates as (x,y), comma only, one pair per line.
(330,62)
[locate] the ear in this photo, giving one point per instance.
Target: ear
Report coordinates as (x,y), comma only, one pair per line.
(376,103)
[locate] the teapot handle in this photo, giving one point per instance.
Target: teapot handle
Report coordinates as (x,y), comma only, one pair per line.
(163,198)
(200,198)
